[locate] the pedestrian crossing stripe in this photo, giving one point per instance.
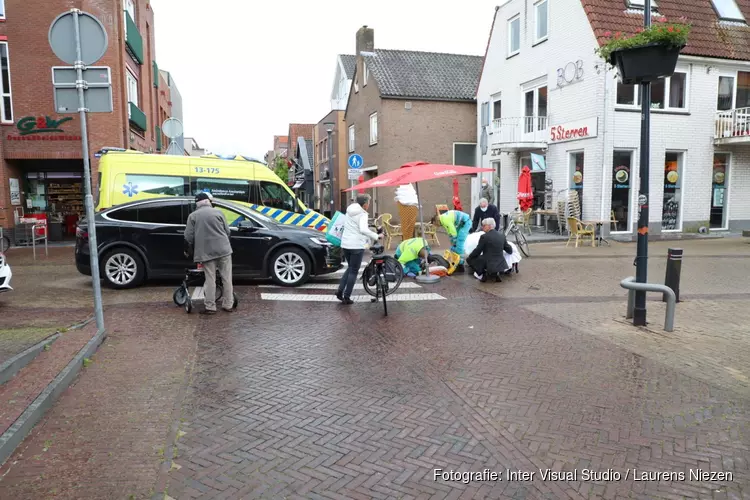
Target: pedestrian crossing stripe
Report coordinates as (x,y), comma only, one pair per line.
(396,297)
(334,286)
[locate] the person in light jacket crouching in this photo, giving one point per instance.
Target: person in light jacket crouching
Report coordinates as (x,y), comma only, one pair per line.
(356,237)
(207,234)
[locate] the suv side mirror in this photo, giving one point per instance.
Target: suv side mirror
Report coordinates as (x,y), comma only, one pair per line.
(246,226)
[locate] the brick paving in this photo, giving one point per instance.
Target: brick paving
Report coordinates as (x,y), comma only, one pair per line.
(315,400)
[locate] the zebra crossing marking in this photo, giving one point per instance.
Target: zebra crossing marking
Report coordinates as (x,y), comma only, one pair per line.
(396,297)
(334,286)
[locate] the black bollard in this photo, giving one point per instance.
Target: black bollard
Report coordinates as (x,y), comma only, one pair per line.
(674,268)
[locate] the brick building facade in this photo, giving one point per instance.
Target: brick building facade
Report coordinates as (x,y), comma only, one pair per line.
(41,167)
(393,118)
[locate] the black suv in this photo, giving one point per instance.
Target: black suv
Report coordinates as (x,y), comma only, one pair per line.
(145,239)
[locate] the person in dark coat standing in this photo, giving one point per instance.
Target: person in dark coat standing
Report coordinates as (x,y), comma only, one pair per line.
(483,211)
(488,259)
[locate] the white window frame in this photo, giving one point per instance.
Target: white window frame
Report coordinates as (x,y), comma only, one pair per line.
(493,99)
(129,7)
(373,121)
(667,85)
(681,168)
(366,74)
(733,76)
(132,80)
(352,138)
(512,20)
(731,18)
(541,39)
(7,92)
(2,9)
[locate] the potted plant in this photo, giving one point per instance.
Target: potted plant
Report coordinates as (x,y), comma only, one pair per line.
(649,54)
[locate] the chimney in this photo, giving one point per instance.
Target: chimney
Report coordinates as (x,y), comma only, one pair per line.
(365,40)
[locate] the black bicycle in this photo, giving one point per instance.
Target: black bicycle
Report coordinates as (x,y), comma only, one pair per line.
(382,276)
(193,278)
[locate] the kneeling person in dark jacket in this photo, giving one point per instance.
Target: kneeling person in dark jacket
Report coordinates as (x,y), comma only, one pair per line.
(488,259)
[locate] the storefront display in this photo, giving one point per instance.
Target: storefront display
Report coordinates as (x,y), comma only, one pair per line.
(719,179)
(670,219)
(576,175)
(58,198)
(621,182)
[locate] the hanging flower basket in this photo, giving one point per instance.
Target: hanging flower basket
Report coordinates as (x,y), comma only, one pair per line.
(648,55)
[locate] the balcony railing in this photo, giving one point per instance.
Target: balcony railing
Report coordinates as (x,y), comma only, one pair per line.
(137,117)
(733,124)
(520,130)
(133,39)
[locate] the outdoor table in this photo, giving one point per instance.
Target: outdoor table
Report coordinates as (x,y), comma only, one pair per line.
(547,214)
(598,231)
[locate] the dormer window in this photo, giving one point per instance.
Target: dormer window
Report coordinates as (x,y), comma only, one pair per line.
(727,10)
(641,4)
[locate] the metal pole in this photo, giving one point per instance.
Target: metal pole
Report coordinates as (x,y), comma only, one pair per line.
(93,251)
(641,261)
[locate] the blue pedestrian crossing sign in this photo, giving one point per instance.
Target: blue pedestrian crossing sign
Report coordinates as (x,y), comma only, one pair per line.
(355,161)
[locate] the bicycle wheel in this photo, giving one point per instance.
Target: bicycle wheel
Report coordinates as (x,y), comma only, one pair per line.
(4,244)
(394,275)
(383,284)
(523,245)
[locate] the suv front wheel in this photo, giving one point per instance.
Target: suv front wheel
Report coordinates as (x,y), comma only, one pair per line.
(123,268)
(290,266)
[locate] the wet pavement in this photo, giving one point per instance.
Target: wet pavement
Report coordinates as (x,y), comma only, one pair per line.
(300,398)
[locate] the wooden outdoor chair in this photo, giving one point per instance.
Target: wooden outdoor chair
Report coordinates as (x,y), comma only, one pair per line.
(430,233)
(441,208)
(523,219)
(391,230)
(613,220)
(579,231)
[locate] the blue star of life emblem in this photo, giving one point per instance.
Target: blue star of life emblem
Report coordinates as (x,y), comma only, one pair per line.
(130,190)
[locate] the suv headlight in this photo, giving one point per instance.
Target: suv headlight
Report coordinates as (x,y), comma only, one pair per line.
(320,241)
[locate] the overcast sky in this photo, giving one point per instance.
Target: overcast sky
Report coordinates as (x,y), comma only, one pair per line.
(246,69)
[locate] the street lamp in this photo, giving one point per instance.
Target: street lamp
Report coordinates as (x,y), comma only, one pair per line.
(331,171)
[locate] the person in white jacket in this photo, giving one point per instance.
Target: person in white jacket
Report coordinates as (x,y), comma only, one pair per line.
(356,237)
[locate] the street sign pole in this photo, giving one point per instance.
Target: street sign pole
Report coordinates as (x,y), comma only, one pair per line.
(93,248)
(641,259)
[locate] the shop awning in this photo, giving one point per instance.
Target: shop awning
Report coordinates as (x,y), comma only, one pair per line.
(298,184)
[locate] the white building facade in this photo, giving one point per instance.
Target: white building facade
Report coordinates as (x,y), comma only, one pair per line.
(544,91)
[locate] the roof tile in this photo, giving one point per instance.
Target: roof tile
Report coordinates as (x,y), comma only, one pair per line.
(425,75)
(350,64)
(709,36)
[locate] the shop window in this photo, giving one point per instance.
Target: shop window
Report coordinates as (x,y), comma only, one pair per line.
(514,36)
(726,93)
(576,176)
(161,213)
(227,189)
(668,93)
(7,108)
(719,180)
(154,185)
(622,172)
(541,20)
(670,218)
(275,196)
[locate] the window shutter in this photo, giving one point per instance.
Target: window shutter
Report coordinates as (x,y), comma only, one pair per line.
(485,114)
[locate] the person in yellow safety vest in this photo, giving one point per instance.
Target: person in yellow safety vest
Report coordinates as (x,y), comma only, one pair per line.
(457,225)
(410,252)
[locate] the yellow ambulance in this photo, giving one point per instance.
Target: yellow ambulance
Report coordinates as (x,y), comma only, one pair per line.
(126,176)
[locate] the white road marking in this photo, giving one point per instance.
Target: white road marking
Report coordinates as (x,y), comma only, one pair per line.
(333,286)
(396,297)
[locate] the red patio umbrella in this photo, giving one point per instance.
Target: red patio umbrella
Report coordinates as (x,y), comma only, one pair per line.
(525,193)
(456,198)
(360,180)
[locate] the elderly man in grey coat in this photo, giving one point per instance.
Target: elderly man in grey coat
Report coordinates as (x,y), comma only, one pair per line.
(207,233)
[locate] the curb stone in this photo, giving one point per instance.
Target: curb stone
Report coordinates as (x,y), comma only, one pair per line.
(17,432)
(10,367)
